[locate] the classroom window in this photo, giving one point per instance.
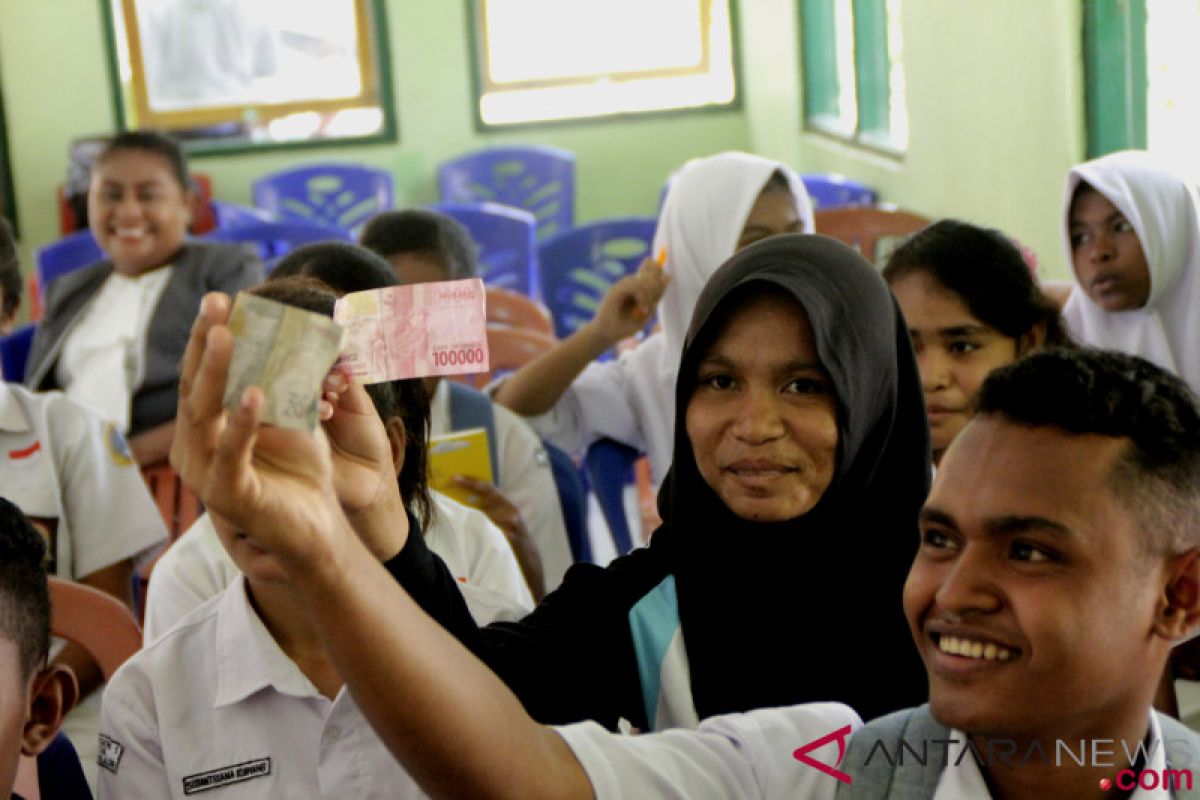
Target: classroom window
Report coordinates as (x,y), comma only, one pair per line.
(237,73)
(853,71)
(543,60)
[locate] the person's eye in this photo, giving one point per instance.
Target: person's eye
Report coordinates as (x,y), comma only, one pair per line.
(961,347)
(1030,552)
(1123,226)
(938,539)
(720,381)
(807,386)
(149,197)
(1079,238)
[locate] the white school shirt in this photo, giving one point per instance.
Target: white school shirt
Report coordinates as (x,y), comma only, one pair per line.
(736,756)
(965,781)
(216,706)
(104,355)
(62,464)
(526,479)
(632,400)
(197,568)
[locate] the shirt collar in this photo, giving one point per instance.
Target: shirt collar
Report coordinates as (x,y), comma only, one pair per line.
(248,658)
(966,780)
(12,416)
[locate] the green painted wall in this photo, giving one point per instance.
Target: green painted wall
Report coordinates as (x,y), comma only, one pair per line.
(995,110)
(995,104)
(52,98)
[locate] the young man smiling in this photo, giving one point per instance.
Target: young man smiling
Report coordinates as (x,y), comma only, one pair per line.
(1059,562)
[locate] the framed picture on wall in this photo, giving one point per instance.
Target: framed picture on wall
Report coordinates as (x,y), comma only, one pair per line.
(8,197)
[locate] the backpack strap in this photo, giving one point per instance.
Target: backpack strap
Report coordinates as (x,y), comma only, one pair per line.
(471,408)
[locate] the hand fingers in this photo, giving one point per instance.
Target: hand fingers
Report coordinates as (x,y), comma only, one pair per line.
(214,310)
(232,459)
(208,387)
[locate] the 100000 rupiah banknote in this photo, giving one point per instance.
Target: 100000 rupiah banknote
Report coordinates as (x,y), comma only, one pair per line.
(286,352)
(414,331)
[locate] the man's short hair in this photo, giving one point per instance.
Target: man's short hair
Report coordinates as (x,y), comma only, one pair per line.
(150,141)
(311,277)
(1088,391)
(424,233)
(10,271)
(24,593)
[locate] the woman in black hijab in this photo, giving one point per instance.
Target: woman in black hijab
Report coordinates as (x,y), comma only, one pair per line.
(724,612)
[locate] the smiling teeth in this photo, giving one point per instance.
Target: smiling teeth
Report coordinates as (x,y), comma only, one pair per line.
(970,648)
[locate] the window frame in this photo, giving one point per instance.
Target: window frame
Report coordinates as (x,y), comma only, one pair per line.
(872,66)
(476,48)
(372,26)
(1115,75)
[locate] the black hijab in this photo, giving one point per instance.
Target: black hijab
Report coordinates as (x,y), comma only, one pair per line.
(808,609)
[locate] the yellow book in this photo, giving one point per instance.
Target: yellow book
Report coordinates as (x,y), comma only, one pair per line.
(459,453)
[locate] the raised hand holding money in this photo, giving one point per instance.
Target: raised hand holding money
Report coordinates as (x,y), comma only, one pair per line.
(414,331)
(285,351)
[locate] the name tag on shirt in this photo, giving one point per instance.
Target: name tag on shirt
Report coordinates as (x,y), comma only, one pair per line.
(224,776)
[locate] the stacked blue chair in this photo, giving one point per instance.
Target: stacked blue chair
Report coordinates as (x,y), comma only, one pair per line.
(68,254)
(14,351)
(608,466)
(506,239)
(836,191)
(232,215)
(579,266)
(537,178)
(274,239)
(341,195)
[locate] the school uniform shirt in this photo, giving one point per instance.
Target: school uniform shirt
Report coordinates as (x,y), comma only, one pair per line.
(1164,210)
(744,756)
(631,399)
(485,570)
(73,475)
(526,479)
(215,706)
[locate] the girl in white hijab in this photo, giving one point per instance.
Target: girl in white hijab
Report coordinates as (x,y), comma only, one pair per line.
(1133,238)
(714,207)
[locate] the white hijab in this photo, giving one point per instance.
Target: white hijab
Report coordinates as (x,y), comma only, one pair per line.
(1164,210)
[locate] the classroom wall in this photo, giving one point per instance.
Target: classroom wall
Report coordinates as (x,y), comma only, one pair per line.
(995,109)
(995,106)
(56,88)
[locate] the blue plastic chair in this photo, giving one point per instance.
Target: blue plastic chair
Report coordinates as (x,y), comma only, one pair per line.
(608,466)
(537,178)
(68,254)
(579,266)
(836,191)
(274,239)
(341,195)
(506,239)
(14,351)
(232,215)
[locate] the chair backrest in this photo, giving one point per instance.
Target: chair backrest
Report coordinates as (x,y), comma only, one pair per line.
(835,191)
(579,266)
(609,469)
(874,231)
(536,178)
(274,239)
(341,195)
(68,254)
(232,215)
(14,352)
(178,504)
(506,238)
(517,311)
(509,349)
(95,620)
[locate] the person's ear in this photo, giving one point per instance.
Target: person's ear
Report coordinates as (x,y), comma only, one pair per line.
(1032,339)
(397,438)
(1177,613)
(55,692)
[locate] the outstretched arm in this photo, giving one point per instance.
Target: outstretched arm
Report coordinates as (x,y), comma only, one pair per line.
(628,304)
(453,724)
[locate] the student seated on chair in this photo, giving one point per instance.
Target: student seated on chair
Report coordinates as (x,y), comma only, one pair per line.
(113,332)
(34,695)
(73,476)
(241,691)
(1059,562)
(425,246)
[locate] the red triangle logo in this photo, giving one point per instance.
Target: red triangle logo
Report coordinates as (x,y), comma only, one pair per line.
(840,735)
